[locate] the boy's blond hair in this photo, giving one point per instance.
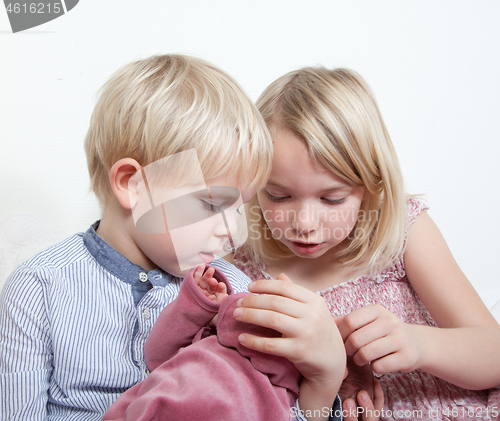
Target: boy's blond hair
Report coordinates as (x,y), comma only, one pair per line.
(165,104)
(335,113)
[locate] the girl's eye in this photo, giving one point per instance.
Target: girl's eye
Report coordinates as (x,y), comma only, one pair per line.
(276,198)
(335,201)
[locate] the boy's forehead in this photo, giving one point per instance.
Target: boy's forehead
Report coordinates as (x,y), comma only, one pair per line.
(232,179)
(245,192)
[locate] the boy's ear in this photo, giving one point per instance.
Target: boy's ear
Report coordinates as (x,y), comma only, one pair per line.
(119,176)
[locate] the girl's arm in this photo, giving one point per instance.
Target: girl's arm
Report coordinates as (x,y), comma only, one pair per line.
(463,350)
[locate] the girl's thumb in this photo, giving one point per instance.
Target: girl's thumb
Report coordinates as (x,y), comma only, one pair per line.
(283,277)
(338,319)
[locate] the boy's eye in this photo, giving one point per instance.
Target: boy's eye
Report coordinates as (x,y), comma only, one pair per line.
(334,201)
(212,207)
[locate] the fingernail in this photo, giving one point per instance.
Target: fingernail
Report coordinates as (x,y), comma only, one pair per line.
(241,339)
(239,302)
(350,404)
(364,396)
(238,312)
(251,285)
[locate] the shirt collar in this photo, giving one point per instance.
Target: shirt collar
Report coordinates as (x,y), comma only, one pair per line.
(119,265)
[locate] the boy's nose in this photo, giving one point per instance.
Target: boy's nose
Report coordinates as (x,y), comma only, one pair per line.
(227,225)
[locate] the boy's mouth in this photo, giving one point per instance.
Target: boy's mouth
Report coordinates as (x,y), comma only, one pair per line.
(206,257)
(306,248)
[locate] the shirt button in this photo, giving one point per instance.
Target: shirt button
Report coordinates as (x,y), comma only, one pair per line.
(145,314)
(143,277)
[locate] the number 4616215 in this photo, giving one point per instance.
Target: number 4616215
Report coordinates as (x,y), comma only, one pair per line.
(34,8)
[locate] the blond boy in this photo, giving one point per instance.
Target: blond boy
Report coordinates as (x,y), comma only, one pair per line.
(74,318)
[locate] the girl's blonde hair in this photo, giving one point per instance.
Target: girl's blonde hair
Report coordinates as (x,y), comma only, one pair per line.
(165,104)
(336,115)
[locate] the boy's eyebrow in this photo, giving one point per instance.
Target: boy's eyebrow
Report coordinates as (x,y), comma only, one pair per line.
(219,193)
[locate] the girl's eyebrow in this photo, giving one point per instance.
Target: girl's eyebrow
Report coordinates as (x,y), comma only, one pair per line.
(339,187)
(270,183)
(327,190)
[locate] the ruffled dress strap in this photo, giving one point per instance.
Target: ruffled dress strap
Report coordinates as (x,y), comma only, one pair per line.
(415,208)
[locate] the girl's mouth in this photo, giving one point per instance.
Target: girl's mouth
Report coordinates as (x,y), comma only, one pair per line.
(306,248)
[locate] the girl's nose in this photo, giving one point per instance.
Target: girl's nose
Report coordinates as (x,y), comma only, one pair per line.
(305,220)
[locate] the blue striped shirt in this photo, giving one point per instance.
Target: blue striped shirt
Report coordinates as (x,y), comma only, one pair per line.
(73,322)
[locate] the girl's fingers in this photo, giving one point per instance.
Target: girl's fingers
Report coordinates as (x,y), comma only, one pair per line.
(390,363)
(363,336)
(282,287)
(375,350)
(283,277)
(338,319)
(357,319)
(276,346)
(275,303)
(271,319)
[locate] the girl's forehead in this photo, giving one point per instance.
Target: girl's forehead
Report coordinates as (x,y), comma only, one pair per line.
(294,168)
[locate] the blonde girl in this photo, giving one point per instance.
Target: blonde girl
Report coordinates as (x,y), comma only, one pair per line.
(334,217)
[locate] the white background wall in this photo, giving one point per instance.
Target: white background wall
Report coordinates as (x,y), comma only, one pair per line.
(434,67)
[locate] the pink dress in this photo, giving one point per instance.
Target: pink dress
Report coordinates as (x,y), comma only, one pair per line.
(403,392)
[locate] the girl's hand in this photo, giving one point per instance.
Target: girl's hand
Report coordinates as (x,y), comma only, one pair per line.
(374,335)
(311,339)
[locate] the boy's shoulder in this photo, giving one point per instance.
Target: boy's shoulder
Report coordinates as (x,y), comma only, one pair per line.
(59,255)
(62,257)
(57,262)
